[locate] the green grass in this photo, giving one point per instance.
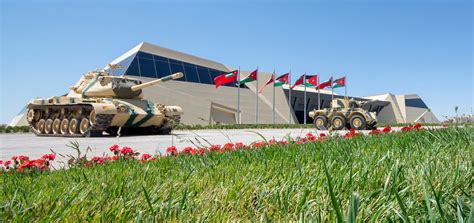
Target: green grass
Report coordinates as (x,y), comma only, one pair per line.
(425,175)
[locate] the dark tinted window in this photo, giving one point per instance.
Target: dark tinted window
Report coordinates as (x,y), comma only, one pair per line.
(175,61)
(417,103)
(214,74)
(178,68)
(191,73)
(133,68)
(162,68)
(145,55)
(204,75)
(163,59)
(147,68)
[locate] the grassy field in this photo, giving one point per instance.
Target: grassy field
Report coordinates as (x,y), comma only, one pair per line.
(418,175)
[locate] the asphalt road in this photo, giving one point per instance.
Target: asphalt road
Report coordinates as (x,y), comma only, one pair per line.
(33,146)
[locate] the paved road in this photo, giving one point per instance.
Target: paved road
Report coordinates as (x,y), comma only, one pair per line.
(34,147)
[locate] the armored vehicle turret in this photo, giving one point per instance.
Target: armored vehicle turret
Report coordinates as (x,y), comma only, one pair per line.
(344,113)
(101,102)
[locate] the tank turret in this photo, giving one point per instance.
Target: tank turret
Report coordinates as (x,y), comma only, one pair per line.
(101,84)
(100,102)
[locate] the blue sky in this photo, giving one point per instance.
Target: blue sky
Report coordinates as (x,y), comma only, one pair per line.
(402,47)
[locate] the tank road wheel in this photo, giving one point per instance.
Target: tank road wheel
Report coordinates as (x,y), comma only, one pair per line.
(73,126)
(57,126)
(40,126)
(321,122)
(358,122)
(48,125)
(64,128)
(84,126)
(32,115)
(338,122)
(92,117)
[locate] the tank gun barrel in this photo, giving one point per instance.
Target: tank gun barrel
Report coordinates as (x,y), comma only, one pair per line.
(163,79)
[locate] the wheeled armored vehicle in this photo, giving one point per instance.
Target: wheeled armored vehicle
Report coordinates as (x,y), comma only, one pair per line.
(344,113)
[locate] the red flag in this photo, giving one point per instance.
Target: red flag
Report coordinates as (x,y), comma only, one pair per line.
(325,84)
(299,81)
(226,78)
(271,80)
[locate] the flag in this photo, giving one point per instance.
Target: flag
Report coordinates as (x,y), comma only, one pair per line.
(341,82)
(252,77)
(271,80)
(299,81)
(226,78)
(325,84)
(311,80)
(283,79)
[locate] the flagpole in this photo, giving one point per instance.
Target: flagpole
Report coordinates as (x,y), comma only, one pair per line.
(319,93)
(256,98)
(345,86)
(332,92)
(273,104)
(304,115)
(289,98)
(238,97)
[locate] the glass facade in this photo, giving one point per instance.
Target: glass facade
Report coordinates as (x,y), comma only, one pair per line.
(147,65)
(416,102)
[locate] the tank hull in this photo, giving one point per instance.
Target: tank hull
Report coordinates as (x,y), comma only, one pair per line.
(78,117)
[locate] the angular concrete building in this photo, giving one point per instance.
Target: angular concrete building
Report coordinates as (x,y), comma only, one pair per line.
(204,104)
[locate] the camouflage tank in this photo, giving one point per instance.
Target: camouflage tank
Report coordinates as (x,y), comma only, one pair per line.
(102,102)
(344,113)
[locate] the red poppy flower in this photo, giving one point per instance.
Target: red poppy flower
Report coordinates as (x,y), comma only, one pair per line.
(374,132)
(187,150)
(14,157)
(417,126)
(127,151)
(115,157)
(214,148)
(228,146)
(115,148)
(259,144)
(352,133)
(322,135)
(387,129)
(146,156)
(172,150)
(97,160)
(239,145)
(7,163)
(50,156)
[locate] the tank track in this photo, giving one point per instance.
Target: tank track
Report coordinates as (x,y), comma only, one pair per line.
(100,123)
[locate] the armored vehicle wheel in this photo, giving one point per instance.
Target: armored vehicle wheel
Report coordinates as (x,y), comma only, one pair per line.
(321,122)
(40,126)
(64,126)
(338,122)
(32,115)
(84,126)
(73,126)
(48,126)
(357,122)
(56,126)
